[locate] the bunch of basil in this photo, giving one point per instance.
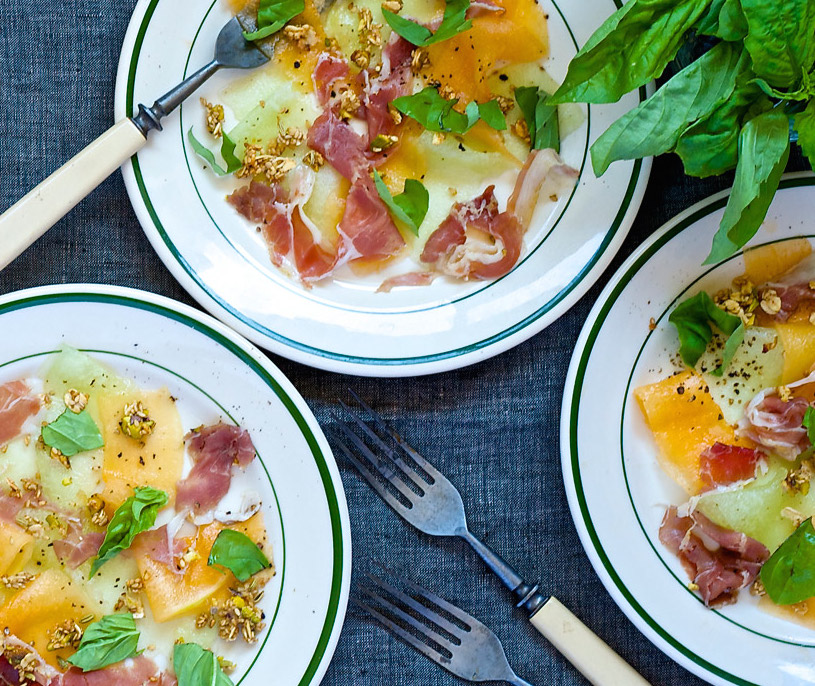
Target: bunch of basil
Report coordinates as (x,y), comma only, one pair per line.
(733,108)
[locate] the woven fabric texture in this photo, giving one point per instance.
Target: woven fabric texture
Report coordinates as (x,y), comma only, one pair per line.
(492,428)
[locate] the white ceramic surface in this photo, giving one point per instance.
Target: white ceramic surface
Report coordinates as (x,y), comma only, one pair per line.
(617,491)
(344,325)
(216,374)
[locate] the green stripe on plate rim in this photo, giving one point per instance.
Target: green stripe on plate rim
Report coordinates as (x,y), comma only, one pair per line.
(288,403)
(353,359)
(573,418)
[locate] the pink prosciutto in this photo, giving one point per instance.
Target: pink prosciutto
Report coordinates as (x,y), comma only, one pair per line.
(721,464)
(718,560)
(791,297)
(480,8)
(78,546)
(341,146)
(16,405)
(775,424)
(409,279)
(394,80)
(214,450)
(329,71)
(135,671)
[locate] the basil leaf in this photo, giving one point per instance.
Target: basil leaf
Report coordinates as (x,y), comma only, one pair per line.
(112,639)
(490,112)
(804,123)
(134,515)
(711,145)
(238,554)
(764,148)
(692,319)
(724,19)
(227,152)
(780,39)
(631,48)
(436,113)
(789,574)
(541,118)
(730,347)
(809,424)
(409,207)
(273,15)
(195,666)
(454,22)
(656,125)
(72,433)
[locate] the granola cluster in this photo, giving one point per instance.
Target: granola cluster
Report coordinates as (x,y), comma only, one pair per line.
(239,616)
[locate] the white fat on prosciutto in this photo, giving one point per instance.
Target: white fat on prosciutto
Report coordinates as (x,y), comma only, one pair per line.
(17,404)
(775,424)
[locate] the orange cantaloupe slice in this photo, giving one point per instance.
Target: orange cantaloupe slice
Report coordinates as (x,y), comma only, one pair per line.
(768,262)
(798,340)
(16,548)
(34,611)
(155,461)
(684,420)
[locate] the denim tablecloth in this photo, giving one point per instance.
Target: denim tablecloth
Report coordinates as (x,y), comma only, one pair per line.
(492,428)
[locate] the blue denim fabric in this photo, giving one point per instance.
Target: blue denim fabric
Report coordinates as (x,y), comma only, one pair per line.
(492,428)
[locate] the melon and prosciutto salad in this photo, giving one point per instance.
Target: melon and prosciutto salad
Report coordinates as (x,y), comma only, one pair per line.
(413,129)
(130,554)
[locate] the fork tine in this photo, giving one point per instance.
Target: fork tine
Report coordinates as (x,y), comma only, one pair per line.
(384,426)
(442,603)
(406,636)
(365,471)
(426,612)
(376,463)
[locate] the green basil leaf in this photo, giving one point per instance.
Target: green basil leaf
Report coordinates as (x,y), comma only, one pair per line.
(656,125)
(541,118)
(238,554)
(490,112)
(803,93)
(436,113)
(409,207)
(730,347)
(72,433)
(781,39)
(711,145)
(454,22)
(195,666)
(273,15)
(724,19)
(692,319)
(809,424)
(789,574)
(764,148)
(804,123)
(227,152)
(134,515)
(112,639)
(630,49)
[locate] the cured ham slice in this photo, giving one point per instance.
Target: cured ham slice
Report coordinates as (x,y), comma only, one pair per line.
(394,80)
(77,546)
(214,450)
(721,465)
(718,560)
(544,174)
(10,507)
(135,671)
(480,8)
(409,279)
(366,228)
(16,405)
(329,70)
(791,297)
(341,146)
(44,673)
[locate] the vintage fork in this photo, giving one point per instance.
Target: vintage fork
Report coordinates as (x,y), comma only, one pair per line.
(424,497)
(465,648)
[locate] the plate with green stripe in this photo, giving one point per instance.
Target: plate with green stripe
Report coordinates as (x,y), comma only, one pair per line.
(213,375)
(345,323)
(618,493)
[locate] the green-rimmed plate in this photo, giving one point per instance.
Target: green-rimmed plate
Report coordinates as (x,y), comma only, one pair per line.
(216,374)
(345,325)
(617,491)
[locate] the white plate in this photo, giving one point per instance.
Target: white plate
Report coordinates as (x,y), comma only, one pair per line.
(346,326)
(215,373)
(617,491)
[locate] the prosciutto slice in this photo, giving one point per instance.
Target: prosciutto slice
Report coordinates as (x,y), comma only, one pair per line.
(16,405)
(544,174)
(394,80)
(135,671)
(78,546)
(409,279)
(341,146)
(480,8)
(366,228)
(721,464)
(718,560)
(214,450)
(329,71)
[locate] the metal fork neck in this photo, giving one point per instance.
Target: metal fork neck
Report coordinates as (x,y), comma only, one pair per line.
(149,118)
(526,595)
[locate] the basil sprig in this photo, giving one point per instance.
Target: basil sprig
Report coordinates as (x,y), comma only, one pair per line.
(233,163)
(134,515)
(541,118)
(692,319)
(238,553)
(789,574)
(196,666)
(436,113)
(273,15)
(809,424)
(454,22)
(112,639)
(72,433)
(409,207)
(730,109)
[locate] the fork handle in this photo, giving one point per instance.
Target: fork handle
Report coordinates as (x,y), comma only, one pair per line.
(582,647)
